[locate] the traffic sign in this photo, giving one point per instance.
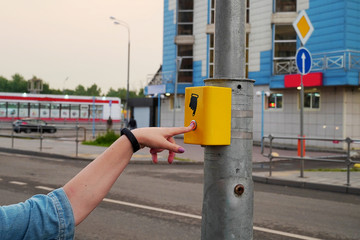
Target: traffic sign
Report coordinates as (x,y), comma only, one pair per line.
(303,27)
(303,60)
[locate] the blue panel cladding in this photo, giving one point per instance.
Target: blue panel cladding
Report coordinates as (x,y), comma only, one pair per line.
(169,47)
(329,26)
(262,77)
(336,28)
(352,20)
(198,79)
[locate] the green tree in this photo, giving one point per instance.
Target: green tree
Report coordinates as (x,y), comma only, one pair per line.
(17,84)
(80,90)
(3,84)
(93,90)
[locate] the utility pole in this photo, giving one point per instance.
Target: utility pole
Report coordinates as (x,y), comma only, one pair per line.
(228,187)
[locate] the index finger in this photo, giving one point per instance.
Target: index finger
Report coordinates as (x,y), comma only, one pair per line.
(179,130)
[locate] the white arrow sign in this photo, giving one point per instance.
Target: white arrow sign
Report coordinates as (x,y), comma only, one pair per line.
(303,57)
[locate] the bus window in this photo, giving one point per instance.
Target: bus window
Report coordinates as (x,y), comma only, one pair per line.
(12,110)
(45,110)
(74,111)
(2,109)
(84,111)
(34,110)
(55,110)
(23,109)
(99,111)
(65,110)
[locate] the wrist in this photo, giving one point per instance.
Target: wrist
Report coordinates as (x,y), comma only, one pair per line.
(131,137)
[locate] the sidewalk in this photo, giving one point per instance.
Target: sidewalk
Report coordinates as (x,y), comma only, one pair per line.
(283,173)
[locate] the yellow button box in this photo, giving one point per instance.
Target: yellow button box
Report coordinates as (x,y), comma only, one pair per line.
(210,107)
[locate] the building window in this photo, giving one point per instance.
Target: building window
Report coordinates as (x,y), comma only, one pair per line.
(185,17)
(312,100)
(284,49)
(248,11)
(247,55)
(211,55)
(212,12)
(285,6)
(185,73)
(274,101)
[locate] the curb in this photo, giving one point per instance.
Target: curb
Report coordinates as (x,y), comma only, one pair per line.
(259,179)
(307,185)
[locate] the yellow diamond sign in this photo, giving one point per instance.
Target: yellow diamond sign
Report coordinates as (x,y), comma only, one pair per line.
(303,27)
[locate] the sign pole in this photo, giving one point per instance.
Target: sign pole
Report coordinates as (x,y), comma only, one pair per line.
(304,29)
(227,211)
(302,119)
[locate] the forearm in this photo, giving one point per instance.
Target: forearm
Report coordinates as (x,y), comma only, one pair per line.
(87,189)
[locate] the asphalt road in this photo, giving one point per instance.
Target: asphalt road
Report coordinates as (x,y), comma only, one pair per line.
(164,202)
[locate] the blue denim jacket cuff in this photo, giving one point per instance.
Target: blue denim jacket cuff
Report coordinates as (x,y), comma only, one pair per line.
(65,213)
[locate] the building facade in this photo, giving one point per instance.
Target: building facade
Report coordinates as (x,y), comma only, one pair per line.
(331,89)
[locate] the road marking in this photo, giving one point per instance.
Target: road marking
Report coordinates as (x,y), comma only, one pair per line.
(199,217)
(284,233)
(18,183)
(45,188)
(151,208)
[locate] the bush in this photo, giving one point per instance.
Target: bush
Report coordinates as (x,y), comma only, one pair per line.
(104,140)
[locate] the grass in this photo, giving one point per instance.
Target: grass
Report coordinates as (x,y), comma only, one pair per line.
(333,170)
(104,140)
(183,159)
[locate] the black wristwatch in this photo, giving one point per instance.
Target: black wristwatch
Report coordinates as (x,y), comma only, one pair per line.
(134,143)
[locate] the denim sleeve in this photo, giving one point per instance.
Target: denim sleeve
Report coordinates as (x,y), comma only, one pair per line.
(40,217)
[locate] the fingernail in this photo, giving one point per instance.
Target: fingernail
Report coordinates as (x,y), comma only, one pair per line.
(181,150)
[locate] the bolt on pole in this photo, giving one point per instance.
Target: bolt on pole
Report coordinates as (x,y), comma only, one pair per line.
(228,187)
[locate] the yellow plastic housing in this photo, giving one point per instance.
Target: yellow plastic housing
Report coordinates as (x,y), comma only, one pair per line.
(210,107)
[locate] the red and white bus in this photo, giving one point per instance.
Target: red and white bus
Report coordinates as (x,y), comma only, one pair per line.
(59,107)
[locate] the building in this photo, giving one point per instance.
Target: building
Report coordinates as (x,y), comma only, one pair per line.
(332,90)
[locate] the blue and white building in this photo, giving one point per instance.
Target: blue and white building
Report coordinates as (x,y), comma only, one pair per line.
(332,89)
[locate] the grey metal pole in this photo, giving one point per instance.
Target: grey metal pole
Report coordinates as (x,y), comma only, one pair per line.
(128,77)
(228,187)
(302,122)
(178,66)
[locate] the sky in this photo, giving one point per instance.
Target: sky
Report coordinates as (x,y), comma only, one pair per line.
(72,42)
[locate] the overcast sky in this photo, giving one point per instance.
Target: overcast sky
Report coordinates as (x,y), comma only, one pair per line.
(75,40)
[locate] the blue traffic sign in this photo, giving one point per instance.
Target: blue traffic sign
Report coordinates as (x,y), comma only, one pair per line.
(303,60)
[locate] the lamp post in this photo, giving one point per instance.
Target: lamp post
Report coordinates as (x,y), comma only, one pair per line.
(178,66)
(124,24)
(262,94)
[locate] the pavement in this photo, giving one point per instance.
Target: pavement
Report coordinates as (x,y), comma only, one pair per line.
(284,172)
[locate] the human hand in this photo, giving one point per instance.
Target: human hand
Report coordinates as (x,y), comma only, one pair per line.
(160,139)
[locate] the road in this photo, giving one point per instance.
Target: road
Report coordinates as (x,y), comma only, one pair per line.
(164,202)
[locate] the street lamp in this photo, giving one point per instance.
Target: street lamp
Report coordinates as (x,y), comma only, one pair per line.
(262,94)
(124,24)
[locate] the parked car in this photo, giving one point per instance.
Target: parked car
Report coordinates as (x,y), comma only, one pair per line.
(32,125)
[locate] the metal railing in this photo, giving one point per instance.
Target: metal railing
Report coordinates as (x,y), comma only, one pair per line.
(72,133)
(346,59)
(343,158)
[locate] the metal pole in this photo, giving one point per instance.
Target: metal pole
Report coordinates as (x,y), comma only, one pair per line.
(128,77)
(228,187)
(178,65)
(159,109)
(302,123)
(77,138)
(262,118)
(93,117)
